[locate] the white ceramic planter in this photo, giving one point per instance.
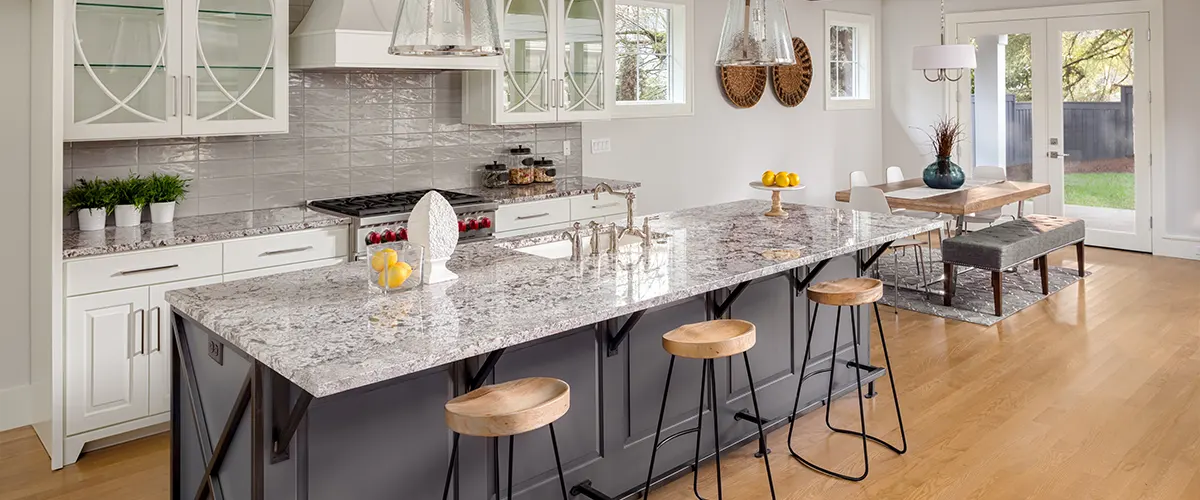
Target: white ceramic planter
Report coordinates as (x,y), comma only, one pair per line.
(162,213)
(92,219)
(128,216)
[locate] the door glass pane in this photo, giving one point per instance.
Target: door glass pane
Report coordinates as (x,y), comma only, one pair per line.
(526,64)
(120,62)
(643,52)
(234,60)
(583,51)
(1097,83)
(1002,96)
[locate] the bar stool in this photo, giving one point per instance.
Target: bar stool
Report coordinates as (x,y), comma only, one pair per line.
(707,341)
(508,409)
(850,292)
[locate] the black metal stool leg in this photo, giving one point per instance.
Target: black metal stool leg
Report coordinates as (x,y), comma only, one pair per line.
(562,481)
(895,396)
(658,429)
(450,468)
(699,432)
(800,385)
(712,390)
(510,468)
(758,415)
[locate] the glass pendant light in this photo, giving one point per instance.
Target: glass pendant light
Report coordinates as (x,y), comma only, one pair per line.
(756,33)
(440,28)
(942,58)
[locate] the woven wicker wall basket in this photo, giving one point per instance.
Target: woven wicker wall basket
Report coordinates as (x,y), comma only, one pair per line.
(743,85)
(791,83)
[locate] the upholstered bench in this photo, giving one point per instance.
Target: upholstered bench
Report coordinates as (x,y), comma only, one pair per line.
(1007,245)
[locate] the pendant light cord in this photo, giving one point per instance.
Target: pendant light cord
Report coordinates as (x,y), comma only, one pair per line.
(943,22)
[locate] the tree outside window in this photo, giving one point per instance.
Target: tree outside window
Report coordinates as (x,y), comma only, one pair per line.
(643,51)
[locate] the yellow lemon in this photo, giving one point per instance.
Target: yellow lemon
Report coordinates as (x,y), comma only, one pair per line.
(395,275)
(768,178)
(781,180)
(383,259)
(793,179)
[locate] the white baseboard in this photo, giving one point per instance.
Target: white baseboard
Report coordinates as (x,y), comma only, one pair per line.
(1180,247)
(16,407)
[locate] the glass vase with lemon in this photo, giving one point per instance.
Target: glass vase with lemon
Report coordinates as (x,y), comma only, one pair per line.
(394,266)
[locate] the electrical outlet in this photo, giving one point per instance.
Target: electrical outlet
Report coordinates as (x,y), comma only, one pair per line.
(216,351)
(601,145)
(566,148)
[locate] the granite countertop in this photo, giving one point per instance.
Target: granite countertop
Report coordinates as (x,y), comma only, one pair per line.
(197,229)
(327,332)
(560,188)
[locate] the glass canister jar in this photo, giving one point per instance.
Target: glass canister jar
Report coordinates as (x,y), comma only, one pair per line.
(495,175)
(520,166)
(543,170)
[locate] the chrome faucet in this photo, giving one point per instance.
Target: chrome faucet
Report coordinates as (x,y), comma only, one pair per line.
(574,238)
(595,240)
(612,237)
(644,232)
(603,187)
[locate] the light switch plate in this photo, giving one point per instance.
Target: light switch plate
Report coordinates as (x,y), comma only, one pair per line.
(601,145)
(566,148)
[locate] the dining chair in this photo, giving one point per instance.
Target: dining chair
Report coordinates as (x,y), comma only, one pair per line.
(858,178)
(872,199)
(894,174)
(989,217)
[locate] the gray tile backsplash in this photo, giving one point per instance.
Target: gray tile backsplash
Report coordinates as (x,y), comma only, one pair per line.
(351,132)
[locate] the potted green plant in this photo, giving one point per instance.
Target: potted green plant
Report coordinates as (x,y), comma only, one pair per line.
(93,200)
(943,173)
(163,191)
(129,194)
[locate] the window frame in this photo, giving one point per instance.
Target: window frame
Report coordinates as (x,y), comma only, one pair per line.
(682,64)
(866,52)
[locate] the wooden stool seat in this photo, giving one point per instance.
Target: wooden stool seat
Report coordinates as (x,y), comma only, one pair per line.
(846,292)
(711,339)
(509,408)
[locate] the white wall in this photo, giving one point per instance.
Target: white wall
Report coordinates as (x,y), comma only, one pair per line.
(15,390)
(712,156)
(910,101)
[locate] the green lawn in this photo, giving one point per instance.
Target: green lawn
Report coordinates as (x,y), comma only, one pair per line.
(1100,190)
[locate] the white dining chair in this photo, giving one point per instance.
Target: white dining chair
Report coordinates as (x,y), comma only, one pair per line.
(858,178)
(894,175)
(871,199)
(989,217)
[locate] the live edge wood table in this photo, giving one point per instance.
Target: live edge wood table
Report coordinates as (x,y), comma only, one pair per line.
(308,385)
(962,202)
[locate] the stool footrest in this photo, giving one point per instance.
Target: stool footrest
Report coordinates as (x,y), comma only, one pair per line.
(745,415)
(864,367)
(675,435)
(585,489)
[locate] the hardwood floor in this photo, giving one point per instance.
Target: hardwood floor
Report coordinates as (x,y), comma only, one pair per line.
(1094,393)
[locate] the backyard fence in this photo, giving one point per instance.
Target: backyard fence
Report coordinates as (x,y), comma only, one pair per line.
(1092,130)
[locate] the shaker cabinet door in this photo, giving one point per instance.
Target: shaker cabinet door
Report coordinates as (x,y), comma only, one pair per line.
(106,362)
(159,342)
(123,69)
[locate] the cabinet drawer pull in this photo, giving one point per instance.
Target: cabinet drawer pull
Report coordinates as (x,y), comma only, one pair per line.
(606,205)
(281,252)
(535,216)
(148,270)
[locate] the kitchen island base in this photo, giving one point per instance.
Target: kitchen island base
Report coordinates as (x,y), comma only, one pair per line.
(389,440)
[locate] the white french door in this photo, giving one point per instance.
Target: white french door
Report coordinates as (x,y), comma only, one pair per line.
(1066,101)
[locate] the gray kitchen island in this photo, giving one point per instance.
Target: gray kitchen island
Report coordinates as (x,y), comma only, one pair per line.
(309,385)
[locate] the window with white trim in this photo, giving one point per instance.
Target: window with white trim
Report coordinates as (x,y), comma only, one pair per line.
(850,45)
(653,58)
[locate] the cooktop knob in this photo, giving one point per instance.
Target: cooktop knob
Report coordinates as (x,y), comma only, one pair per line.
(485,222)
(373,238)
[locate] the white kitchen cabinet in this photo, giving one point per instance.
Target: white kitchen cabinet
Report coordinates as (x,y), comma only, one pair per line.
(519,219)
(175,68)
(107,365)
(159,343)
(558,65)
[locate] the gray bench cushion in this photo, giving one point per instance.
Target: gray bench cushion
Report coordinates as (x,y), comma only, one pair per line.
(1006,245)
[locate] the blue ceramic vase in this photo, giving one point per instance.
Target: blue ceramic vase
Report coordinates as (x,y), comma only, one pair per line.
(944,174)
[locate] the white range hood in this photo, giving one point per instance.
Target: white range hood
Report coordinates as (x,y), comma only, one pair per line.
(352,34)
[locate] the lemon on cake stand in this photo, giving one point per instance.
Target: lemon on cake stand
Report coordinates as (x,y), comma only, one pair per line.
(776,206)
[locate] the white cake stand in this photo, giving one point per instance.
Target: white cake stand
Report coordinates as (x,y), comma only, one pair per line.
(776,207)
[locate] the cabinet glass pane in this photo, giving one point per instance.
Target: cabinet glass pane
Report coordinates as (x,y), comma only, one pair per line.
(526,63)
(583,52)
(120,62)
(234,60)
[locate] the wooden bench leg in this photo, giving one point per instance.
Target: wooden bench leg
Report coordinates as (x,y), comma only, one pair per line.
(1079,257)
(1045,275)
(1036,262)
(998,291)
(948,285)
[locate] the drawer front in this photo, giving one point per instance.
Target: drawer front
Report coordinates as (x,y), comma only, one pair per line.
(533,214)
(283,269)
(142,268)
(586,208)
(286,248)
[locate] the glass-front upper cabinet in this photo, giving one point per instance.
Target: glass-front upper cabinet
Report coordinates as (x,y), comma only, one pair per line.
(557,65)
(169,68)
(123,70)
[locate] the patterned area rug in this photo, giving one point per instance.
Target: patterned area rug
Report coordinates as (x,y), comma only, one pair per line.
(973,300)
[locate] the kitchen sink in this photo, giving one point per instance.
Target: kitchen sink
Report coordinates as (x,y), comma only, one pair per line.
(561,248)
